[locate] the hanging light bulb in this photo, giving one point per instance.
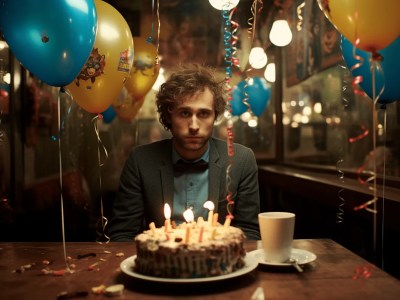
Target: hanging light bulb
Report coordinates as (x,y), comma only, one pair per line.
(258,58)
(280,34)
(245,117)
(224,4)
(269,72)
(253,122)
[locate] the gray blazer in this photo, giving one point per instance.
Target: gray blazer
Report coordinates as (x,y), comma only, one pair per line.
(147,183)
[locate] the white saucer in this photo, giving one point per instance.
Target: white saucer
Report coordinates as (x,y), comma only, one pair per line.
(127,267)
(301,256)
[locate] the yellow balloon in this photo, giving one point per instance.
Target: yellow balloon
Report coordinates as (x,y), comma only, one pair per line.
(110,62)
(145,68)
(126,106)
(374,23)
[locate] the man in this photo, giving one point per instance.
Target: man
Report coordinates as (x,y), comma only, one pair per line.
(188,103)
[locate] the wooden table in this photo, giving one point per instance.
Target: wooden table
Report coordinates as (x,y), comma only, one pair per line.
(337,273)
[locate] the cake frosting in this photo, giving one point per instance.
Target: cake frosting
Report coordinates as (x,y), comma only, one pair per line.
(190,250)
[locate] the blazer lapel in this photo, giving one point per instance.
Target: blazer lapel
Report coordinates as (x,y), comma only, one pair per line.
(167,177)
(214,175)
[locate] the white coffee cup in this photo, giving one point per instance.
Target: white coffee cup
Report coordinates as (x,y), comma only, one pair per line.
(277,231)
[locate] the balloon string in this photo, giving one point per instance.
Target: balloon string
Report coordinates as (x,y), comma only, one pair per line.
(158,30)
(373,201)
(99,142)
(299,11)
(383,186)
(376,66)
(61,181)
(2,135)
(103,221)
(150,38)
(62,127)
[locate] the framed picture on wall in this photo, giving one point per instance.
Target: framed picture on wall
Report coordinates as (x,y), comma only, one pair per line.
(315,45)
(190,32)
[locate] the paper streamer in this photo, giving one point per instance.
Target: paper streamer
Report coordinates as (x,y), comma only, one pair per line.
(235,28)
(252,22)
(340,213)
(357,79)
(363,272)
(226,18)
(299,11)
(340,172)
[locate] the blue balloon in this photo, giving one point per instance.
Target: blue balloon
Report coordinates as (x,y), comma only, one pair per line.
(389,78)
(258,92)
(51,39)
(109,114)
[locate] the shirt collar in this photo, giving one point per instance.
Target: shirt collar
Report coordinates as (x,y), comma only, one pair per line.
(205,156)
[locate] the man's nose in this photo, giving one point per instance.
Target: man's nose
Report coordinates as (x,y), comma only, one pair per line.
(194,123)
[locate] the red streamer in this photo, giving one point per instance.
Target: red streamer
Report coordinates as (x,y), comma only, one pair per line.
(360,136)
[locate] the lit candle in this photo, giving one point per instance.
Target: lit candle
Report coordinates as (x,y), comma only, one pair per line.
(201,234)
(209,205)
(167,215)
(188,215)
(215,219)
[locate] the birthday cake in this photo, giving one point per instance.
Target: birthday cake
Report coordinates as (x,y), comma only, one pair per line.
(190,250)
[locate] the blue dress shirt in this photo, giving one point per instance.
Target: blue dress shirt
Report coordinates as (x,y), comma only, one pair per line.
(190,190)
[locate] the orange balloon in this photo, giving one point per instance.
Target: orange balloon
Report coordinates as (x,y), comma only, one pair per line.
(374,23)
(126,106)
(110,62)
(144,70)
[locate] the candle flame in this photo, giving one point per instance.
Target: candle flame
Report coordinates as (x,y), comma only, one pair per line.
(167,211)
(188,215)
(209,205)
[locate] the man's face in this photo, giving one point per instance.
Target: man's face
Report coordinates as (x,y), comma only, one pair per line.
(192,124)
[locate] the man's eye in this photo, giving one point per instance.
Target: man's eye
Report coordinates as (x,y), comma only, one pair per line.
(204,114)
(185,114)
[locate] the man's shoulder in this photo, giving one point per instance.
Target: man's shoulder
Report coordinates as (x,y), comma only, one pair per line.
(154,145)
(221,144)
(155,148)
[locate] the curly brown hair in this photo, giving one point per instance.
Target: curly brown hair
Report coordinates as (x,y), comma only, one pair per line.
(185,82)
